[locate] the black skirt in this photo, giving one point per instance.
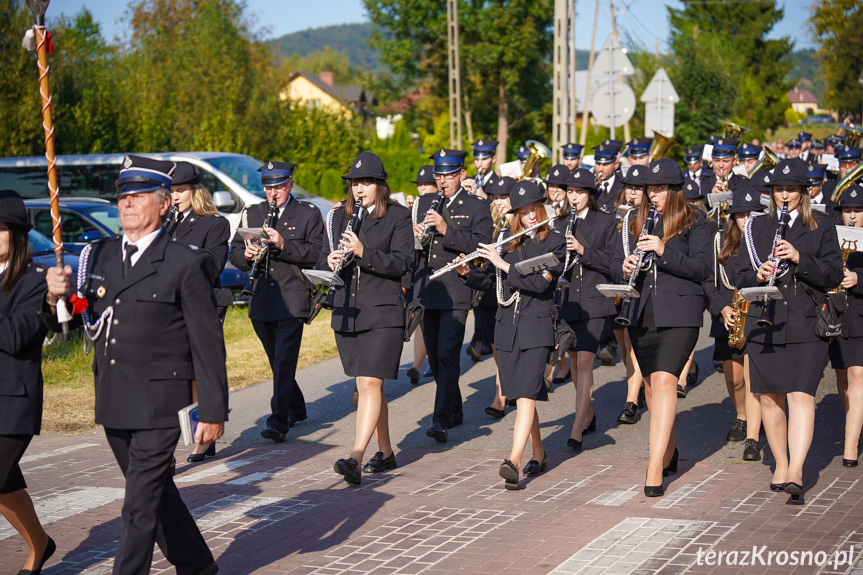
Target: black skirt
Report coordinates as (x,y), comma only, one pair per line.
(724,352)
(786,368)
(588,332)
(522,373)
(846,352)
(371,353)
(661,348)
(12,448)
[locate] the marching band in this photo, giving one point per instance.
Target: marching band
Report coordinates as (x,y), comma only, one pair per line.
(553,267)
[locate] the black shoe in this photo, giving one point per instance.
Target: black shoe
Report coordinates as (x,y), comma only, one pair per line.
(575,444)
(737,431)
(606,355)
(681,392)
(751,451)
(795,490)
(437,431)
(692,377)
(654,490)
(380,463)
(564,379)
(630,413)
(414,375)
(849,462)
(428,372)
(672,465)
(293,420)
(509,473)
(777,487)
(198,457)
(591,427)
(534,467)
(274,434)
(498,413)
(474,353)
(50,548)
(350,469)
(458,418)
(355,396)
(719,366)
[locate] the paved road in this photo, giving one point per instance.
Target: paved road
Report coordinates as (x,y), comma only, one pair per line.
(267,508)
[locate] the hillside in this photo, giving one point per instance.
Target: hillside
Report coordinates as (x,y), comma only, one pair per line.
(350,39)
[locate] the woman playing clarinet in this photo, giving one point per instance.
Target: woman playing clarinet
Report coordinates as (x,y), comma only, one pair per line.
(590,241)
(368,312)
(796,250)
(526,317)
(673,244)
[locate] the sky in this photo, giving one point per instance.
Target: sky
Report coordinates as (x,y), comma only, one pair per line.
(645,20)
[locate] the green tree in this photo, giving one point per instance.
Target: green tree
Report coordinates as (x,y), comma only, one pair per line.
(733,35)
(836,26)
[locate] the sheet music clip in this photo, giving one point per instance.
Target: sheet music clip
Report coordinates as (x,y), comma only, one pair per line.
(252,234)
(760,293)
(617,290)
(323,277)
(537,264)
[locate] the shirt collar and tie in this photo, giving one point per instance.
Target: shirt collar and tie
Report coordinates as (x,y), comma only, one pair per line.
(132,250)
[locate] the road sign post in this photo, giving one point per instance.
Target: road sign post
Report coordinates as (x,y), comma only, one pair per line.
(659,97)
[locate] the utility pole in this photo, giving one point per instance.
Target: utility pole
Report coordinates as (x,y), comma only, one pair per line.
(614,27)
(573,67)
(563,77)
(454,74)
(585,116)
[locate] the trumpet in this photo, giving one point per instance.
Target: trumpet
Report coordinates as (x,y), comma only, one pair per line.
(255,269)
(767,312)
(328,303)
(646,230)
(475,255)
(428,231)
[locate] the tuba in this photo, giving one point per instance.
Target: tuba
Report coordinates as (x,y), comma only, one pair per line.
(736,336)
(853,136)
(767,162)
(850,179)
(732,130)
(660,146)
(538,152)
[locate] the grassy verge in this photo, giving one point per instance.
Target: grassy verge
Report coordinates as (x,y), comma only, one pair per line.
(69,377)
(818,131)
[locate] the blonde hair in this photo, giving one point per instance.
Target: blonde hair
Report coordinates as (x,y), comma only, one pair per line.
(202,201)
(803,206)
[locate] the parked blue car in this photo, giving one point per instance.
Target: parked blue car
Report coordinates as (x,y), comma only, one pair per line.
(42,250)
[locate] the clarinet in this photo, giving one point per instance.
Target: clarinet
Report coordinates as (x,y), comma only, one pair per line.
(568,261)
(256,269)
(766,319)
(171,220)
(329,302)
(428,231)
(644,259)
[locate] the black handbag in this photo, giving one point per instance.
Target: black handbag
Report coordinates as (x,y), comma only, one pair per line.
(829,308)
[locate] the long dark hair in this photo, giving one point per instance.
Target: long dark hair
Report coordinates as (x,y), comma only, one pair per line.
(19,257)
(566,209)
(677,216)
(731,238)
(382,199)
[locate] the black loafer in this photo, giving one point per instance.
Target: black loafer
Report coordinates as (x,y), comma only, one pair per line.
(751,451)
(534,467)
(414,375)
(630,413)
(350,469)
(274,434)
(438,432)
(606,355)
(654,490)
(498,413)
(380,463)
(849,462)
(293,420)
(737,431)
(509,473)
(474,353)
(575,444)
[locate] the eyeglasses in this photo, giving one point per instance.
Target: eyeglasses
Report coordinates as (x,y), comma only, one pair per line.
(449,176)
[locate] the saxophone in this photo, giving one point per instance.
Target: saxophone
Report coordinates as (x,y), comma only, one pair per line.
(736,335)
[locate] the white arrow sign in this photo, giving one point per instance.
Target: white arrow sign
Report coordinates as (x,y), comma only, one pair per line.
(617,64)
(659,97)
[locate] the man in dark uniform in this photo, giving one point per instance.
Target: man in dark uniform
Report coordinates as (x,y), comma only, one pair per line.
(805,145)
(605,168)
(570,155)
(638,151)
(484,159)
(794,147)
(280,302)
(696,171)
(747,157)
(159,332)
(815,175)
(816,151)
(460,223)
(724,155)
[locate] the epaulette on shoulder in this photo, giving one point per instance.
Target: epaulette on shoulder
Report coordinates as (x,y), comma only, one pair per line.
(307,204)
(37,267)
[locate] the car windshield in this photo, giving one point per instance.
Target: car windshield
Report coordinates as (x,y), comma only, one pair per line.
(39,244)
(242,169)
(106,214)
